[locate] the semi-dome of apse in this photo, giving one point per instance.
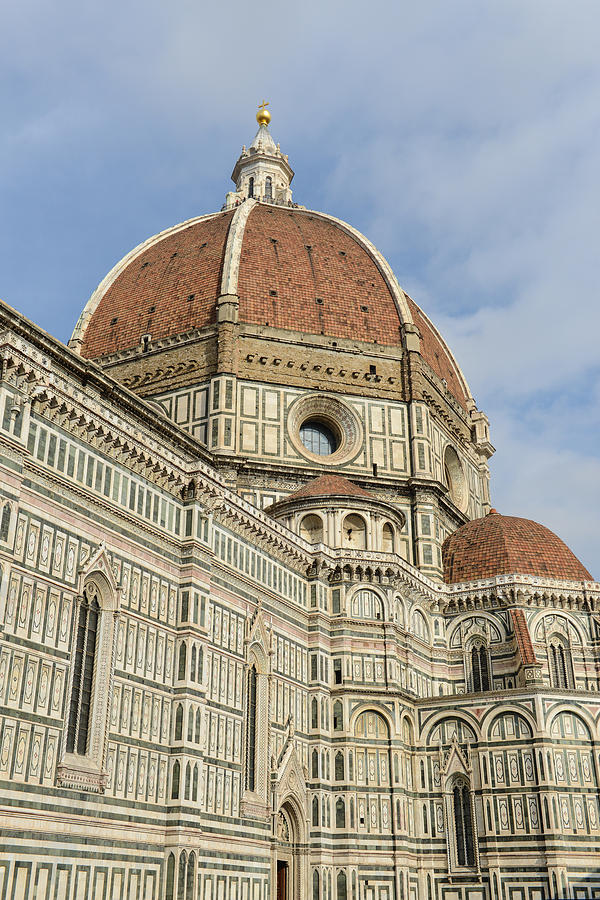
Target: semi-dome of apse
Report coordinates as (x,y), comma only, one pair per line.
(508,545)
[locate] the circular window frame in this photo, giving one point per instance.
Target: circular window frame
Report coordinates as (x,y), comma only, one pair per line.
(335,415)
(457,486)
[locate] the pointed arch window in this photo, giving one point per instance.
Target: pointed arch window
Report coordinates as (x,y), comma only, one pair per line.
(251,731)
(340,813)
(268,188)
(182,662)
(479,661)
(175,777)
(83,675)
(464,836)
(315,884)
(315,764)
(251,187)
(95,618)
(341,885)
(314,713)
(178,734)
(170,879)
(339,766)
(315,811)
(338,716)
(561,664)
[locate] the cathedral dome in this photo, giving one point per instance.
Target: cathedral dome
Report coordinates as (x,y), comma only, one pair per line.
(292,269)
(507,545)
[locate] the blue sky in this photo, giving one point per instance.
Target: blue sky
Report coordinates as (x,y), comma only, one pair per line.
(462,138)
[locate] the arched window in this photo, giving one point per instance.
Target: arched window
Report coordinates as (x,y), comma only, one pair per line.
(338,716)
(190,734)
(339,766)
(480,667)
(170,879)
(5,524)
(463,824)
(315,764)
(314,713)
(341,886)
(175,776)
(83,675)
(197,728)
(188,781)
(315,884)
(189,881)
(340,813)
(182,662)
(561,664)
(354,532)
(367,604)
(181,877)
(179,722)
(268,188)
(251,187)
(311,529)
(387,538)
(315,811)
(195,784)
(251,730)
(193,664)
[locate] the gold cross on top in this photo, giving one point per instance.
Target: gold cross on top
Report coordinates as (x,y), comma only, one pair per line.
(263,105)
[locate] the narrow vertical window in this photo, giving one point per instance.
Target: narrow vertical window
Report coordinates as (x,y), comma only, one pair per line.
(251,187)
(463,825)
(480,668)
(5,524)
(182,662)
(561,666)
(315,884)
(170,879)
(340,813)
(268,188)
(314,714)
(338,716)
(341,886)
(83,676)
(179,722)
(315,811)
(315,764)
(181,877)
(251,731)
(189,883)
(176,775)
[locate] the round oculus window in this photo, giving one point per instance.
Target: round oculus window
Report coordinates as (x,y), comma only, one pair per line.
(318,438)
(324,429)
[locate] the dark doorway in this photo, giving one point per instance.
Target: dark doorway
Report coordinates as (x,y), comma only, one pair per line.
(282,880)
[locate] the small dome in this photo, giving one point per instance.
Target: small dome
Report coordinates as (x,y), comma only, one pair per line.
(507,545)
(330,486)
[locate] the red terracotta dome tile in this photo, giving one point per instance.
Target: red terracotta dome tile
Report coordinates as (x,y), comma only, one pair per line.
(329,486)
(298,271)
(167,289)
(507,545)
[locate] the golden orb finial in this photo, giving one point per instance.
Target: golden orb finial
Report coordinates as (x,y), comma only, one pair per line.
(263,116)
